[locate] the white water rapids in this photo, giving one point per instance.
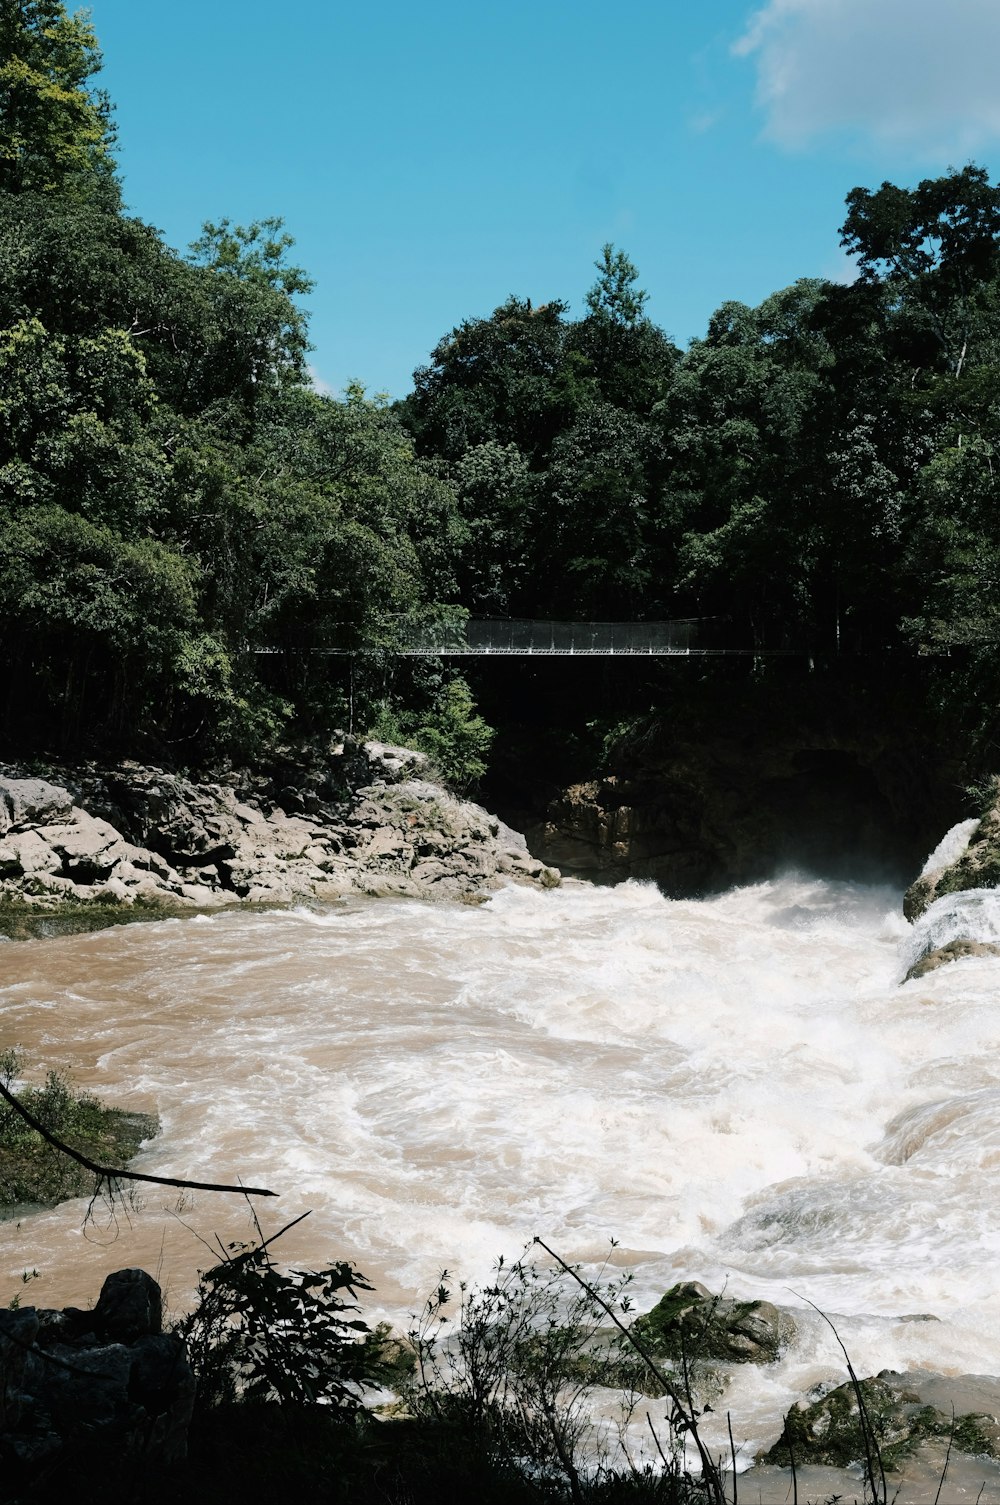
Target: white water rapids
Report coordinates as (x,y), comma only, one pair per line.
(737,1089)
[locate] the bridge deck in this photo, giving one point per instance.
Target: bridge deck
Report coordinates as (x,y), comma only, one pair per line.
(484,637)
(448,652)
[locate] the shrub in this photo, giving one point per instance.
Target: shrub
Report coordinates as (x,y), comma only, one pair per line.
(259,1335)
(514,1377)
(33,1171)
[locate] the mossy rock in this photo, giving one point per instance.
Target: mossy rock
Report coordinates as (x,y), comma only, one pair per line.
(977,867)
(953,951)
(690,1323)
(829,1430)
(27,922)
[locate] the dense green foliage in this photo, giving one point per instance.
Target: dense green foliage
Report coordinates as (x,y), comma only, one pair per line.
(174,496)
(186,525)
(816,471)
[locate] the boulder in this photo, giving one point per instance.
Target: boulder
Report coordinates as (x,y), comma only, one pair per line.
(953,951)
(23,801)
(130,1306)
(828,1428)
(690,1322)
(91,1389)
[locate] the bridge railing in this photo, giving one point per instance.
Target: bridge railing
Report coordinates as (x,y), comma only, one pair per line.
(512,636)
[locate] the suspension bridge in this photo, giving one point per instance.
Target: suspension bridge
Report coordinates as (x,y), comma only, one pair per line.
(506,637)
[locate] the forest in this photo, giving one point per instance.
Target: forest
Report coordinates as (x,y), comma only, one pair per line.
(186,524)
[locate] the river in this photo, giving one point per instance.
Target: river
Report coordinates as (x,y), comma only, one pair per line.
(737,1089)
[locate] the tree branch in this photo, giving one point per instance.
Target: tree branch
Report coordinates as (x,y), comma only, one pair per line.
(108,1173)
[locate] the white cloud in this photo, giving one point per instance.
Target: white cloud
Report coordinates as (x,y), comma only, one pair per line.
(840,268)
(318,384)
(921,74)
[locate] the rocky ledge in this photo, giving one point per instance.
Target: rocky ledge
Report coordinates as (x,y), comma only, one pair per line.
(363,820)
(953,903)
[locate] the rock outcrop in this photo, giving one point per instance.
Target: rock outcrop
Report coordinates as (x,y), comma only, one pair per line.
(899,1416)
(92,1389)
(689,1322)
(954,904)
(972,860)
(697,815)
(365,820)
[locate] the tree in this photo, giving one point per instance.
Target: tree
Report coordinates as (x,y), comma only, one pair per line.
(496,495)
(255,257)
(508,378)
(937,249)
(614,295)
(594,524)
(631,359)
(738,424)
(55,130)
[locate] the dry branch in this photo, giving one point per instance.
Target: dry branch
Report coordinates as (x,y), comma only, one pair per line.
(109,1173)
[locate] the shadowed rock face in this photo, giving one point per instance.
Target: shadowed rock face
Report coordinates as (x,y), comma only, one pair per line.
(703,819)
(92,1389)
(365,821)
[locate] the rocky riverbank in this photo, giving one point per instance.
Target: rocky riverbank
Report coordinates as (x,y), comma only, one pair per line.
(109,1391)
(86,1392)
(366,819)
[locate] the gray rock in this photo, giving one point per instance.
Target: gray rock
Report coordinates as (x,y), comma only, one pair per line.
(18,1332)
(977,866)
(162,1382)
(391,764)
(83,1389)
(23,801)
(143,836)
(70,1399)
(954,951)
(900,1415)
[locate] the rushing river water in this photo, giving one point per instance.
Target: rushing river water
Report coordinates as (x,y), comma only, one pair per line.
(737,1089)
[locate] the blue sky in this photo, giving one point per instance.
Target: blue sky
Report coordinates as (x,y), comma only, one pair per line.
(430,160)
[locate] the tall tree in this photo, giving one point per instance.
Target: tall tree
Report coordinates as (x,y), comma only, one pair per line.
(508,378)
(936,247)
(629,356)
(55,129)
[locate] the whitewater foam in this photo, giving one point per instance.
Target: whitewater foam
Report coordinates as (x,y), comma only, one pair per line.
(735,1088)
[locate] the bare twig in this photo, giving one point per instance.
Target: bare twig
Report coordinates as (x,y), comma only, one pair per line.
(108,1173)
(947,1456)
(873,1453)
(656,1439)
(710,1469)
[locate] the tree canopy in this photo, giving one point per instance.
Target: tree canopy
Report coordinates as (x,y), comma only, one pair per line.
(186,525)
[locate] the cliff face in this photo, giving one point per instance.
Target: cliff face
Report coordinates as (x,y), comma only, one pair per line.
(743,799)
